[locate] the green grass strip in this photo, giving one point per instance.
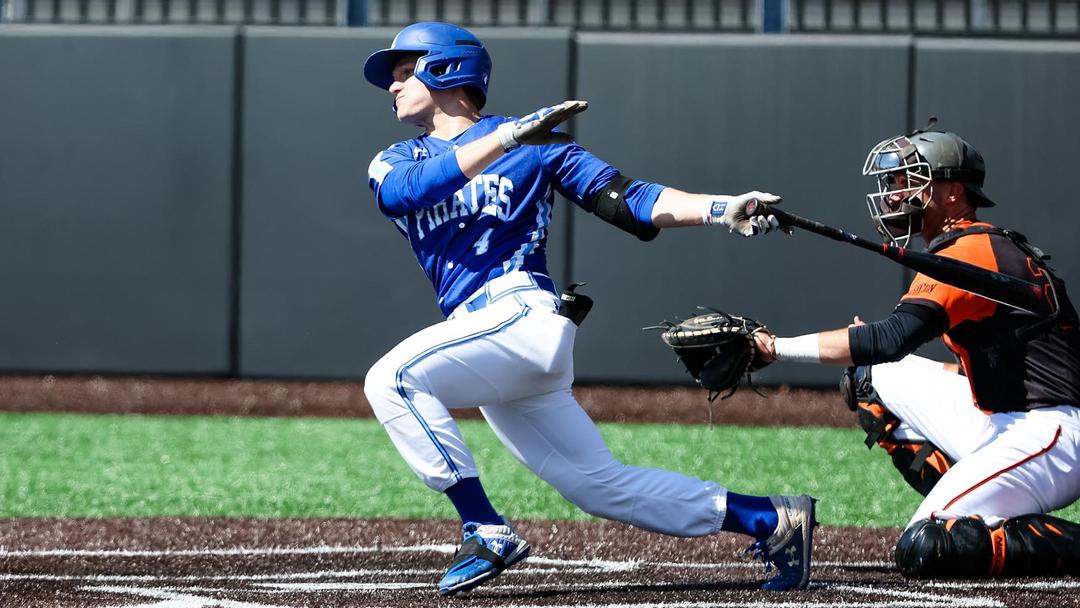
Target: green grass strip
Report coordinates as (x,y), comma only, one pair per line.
(73,465)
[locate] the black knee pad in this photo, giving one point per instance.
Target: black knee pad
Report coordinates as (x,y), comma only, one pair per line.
(957,548)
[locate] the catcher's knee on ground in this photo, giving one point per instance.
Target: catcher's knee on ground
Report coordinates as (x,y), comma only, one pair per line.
(920,462)
(1027,545)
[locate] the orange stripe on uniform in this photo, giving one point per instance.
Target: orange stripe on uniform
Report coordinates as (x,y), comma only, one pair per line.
(997,547)
(1006,469)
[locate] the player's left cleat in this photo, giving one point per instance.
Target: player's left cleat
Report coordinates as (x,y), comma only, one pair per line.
(485,552)
(790,546)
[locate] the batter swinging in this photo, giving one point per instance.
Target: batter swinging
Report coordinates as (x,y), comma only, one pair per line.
(473,195)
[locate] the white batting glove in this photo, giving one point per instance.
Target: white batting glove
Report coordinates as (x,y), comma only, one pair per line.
(536,128)
(738,213)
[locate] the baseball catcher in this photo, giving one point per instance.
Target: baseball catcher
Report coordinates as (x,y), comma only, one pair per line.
(717,349)
(993,441)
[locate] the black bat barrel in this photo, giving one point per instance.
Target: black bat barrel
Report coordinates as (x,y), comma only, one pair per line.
(996,286)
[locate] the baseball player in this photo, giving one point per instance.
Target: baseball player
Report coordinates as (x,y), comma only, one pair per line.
(473,194)
(1005,430)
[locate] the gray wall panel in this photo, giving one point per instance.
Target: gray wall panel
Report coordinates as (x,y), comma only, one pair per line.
(706,113)
(1025,125)
(115,198)
(117,212)
(328,284)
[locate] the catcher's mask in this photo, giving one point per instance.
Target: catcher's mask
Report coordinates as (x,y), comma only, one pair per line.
(907,165)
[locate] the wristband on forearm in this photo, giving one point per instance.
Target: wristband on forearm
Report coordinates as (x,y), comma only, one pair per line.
(712,212)
(803,349)
(505,132)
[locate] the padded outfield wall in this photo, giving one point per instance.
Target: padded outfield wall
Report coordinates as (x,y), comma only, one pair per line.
(154,221)
(115,206)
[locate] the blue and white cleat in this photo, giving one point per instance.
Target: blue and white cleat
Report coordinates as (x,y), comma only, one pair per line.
(791,545)
(485,552)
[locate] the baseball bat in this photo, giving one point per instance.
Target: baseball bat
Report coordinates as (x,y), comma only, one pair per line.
(996,286)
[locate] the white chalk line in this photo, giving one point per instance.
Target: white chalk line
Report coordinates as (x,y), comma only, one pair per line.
(769,604)
(286,588)
(187,598)
(898,599)
(150,578)
(153,578)
(605,565)
(901,598)
(177,599)
(758,564)
(233,552)
(1005,585)
(917,598)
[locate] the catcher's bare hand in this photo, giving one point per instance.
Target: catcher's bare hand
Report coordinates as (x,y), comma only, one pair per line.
(537,128)
(765,343)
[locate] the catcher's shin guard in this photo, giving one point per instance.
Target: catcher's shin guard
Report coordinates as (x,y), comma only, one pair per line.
(921,463)
(1039,545)
(956,548)
(1027,545)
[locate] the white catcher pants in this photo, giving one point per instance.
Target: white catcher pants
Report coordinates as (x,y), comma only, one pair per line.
(1007,464)
(514,359)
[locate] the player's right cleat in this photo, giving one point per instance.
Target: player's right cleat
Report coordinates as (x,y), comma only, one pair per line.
(485,552)
(790,546)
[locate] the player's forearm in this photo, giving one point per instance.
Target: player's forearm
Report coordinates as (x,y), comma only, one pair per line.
(835,347)
(676,208)
(828,347)
(475,156)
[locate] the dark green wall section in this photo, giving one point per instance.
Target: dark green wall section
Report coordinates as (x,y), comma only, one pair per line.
(151,221)
(115,210)
(727,114)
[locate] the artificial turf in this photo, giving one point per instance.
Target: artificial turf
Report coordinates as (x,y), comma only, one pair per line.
(77,465)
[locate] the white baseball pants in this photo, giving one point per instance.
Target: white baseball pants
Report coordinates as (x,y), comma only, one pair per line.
(1007,464)
(514,359)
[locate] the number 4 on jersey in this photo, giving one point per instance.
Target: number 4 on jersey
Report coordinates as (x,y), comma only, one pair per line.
(481,245)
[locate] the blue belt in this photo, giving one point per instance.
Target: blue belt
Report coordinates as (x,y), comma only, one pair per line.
(483,299)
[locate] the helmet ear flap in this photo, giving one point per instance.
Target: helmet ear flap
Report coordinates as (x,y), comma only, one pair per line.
(451,57)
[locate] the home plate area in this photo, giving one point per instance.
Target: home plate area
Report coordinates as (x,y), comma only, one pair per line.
(231,563)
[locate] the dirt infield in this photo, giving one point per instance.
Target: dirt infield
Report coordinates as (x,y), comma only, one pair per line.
(781,406)
(193,563)
(204,563)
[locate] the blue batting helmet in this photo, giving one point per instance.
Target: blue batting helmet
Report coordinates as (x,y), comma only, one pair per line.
(452,57)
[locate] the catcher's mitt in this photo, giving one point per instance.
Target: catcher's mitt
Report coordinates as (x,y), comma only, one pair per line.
(716,348)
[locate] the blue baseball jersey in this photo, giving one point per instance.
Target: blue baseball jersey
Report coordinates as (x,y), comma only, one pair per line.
(466,232)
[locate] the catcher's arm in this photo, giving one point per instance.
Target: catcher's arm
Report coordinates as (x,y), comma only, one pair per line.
(675,208)
(829,347)
(890,339)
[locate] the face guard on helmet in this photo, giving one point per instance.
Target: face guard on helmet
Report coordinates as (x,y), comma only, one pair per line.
(902,175)
(450,56)
(907,165)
